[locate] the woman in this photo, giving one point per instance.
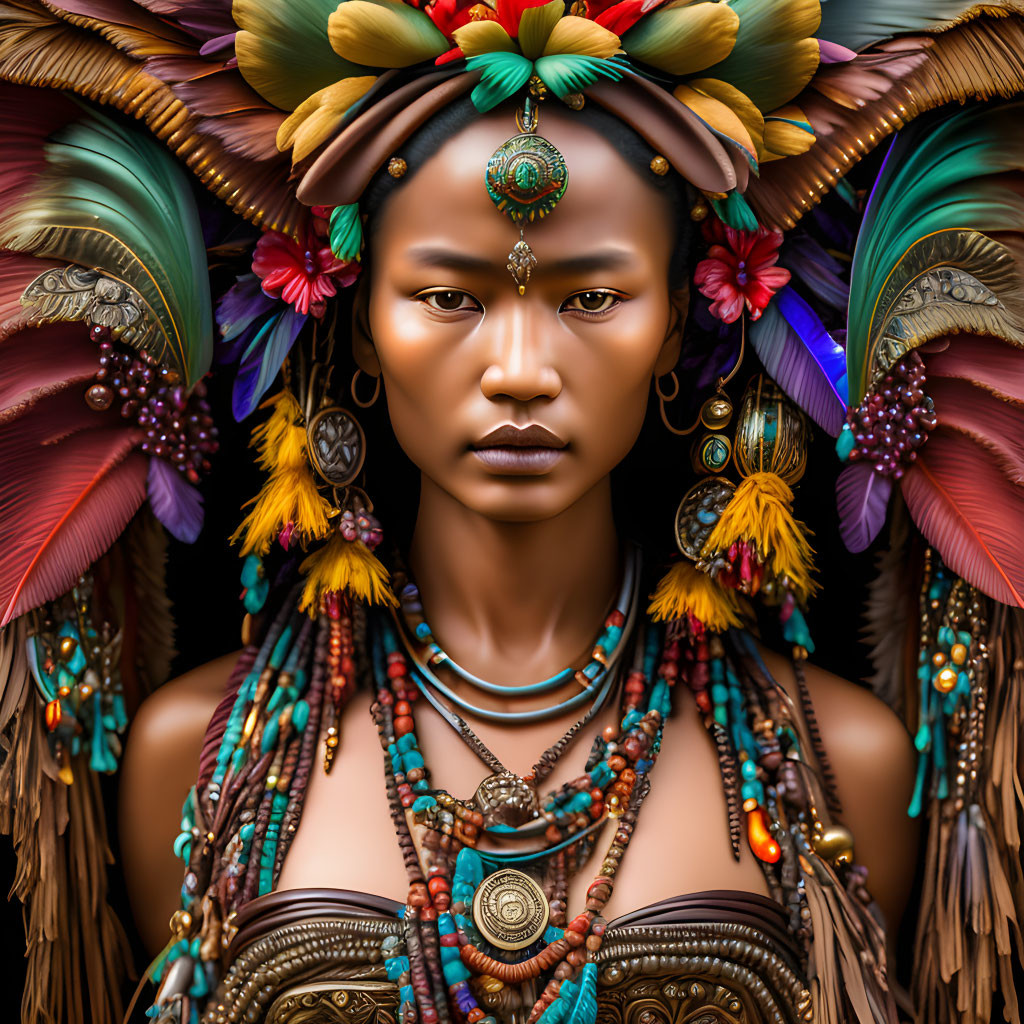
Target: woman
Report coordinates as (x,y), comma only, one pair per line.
(514,311)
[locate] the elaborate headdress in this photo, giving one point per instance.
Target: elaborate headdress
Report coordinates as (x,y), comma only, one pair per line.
(284,110)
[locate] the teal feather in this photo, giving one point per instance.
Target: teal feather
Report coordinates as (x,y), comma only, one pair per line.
(858,23)
(111,199)
(734,211)
(504,74)
(346,232)
(939,175)
(576,1002)
(565,73)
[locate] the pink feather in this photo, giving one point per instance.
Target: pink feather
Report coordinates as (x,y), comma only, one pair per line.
(70,485)
(991,363)
(966,508)
(42,361)
(17,272)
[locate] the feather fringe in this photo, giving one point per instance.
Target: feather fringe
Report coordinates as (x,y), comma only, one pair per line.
(345,565)
(761,511)
(685,591)
(290,494)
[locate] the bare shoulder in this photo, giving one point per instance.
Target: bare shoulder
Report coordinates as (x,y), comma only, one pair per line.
(160,764)
(874,762)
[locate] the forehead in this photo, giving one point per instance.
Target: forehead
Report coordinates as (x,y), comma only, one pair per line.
(606,201)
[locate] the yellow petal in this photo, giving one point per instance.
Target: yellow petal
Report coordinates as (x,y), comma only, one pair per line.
(740,104)
(578,35)
(686,39)
(535,26)
(479,37)
(784,139)
(719,116)
(384,35)
(315,119)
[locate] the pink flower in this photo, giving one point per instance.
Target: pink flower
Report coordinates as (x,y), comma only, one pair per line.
(304,277)
(740,270)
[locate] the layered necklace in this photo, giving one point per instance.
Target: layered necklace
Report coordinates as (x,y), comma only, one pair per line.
(480,906)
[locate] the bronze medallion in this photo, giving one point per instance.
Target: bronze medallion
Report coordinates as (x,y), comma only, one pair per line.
(698,513)
(337,445)
(505,799)
(510,909)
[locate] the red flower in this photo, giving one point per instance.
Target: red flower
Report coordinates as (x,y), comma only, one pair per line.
(303,277)
(740,270)
(448,15)
(622,16)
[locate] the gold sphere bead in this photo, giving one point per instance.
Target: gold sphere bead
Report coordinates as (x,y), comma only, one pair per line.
(64,691)
(938,659)
(698,211)
(958,654)
(181,921)
(397,167)
(716,412)
(660,166)
(85,691)
(68,644)
(945,680)
(834,844)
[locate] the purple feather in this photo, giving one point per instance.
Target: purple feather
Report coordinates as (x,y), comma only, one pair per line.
(802,358)
(262,360)
(862,497)
(174,501)
(817,270)
(241,304)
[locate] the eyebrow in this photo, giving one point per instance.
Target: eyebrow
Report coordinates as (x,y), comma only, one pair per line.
(450,259)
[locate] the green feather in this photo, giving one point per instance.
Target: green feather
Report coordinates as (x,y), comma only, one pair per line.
(565,73)
(346,232)
(504,74)
(272,33)
(943,177)
(734,211)
(112,200)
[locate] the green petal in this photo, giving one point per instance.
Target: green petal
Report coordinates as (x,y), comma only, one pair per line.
(504,74)
(565,73)
(734,211)
(346,232)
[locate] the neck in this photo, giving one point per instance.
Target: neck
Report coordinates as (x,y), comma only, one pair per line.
(514,601)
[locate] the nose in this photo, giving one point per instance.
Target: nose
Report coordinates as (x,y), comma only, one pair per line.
(520,366)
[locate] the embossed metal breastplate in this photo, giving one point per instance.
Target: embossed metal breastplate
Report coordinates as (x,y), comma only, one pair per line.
(313,957)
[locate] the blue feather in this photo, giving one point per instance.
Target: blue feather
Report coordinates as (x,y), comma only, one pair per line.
(803,359)
(174,501)
(263,359)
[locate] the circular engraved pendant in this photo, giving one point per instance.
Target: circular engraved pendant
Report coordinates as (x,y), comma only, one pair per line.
(510,909)
(701,508)
(526,176)
(337,445)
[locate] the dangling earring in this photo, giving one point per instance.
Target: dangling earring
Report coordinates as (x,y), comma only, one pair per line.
(373,398)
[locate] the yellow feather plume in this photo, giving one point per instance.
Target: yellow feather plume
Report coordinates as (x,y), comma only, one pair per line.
(761,512)
(290,494)
(685,590)
(345,565)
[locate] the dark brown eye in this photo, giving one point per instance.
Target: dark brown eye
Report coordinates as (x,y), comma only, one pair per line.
(592,302)
(448,301)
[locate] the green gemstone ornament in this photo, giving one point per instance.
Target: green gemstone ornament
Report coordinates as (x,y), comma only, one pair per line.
(526,176)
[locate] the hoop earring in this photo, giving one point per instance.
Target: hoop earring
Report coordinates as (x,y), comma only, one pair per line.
(373,397)
(663,399)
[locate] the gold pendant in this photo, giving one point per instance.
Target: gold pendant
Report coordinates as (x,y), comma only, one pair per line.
(510,909)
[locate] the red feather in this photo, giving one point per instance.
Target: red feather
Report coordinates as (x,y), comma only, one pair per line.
(998,425)
(38,362)
(993,364)
(17,272)
(70,485)
(966,508)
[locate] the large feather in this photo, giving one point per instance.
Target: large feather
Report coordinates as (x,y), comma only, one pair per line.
(801,357)
(857,23)
(69,488)
(101,195)
(988,362)
(174,501)
(263,358)
(968,510)
(862,498)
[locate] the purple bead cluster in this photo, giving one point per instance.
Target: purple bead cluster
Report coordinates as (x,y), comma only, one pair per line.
(361,525)
(893,420)
(178,426)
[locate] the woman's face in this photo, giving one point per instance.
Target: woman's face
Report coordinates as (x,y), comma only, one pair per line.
(518,405)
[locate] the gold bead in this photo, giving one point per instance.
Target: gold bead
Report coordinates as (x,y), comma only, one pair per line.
(698,211)
(397,167)
(945,680)
(68,644)
(938,659)
(750,804)
(660,166)
(834,844)
(332,741)
(716,412)
(64,691)
(85,691)
(958,653)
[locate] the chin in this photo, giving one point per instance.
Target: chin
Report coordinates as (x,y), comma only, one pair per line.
(519,499)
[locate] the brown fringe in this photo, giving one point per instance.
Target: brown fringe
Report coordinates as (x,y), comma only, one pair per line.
(39,49)
(978,60)
(968,935)
(77,952)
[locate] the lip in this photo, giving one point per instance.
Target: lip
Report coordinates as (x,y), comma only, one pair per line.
(519,450)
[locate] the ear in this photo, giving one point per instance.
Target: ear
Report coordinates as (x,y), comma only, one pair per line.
(679,306)
(363,351)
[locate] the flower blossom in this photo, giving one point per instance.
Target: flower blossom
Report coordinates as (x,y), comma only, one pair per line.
(740,271)
(303,276)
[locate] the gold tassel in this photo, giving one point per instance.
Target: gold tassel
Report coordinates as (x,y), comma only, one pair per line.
(761,512)
(290,494)
(685,590)
(342,565)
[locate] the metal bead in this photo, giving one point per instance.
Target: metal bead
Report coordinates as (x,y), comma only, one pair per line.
(945,680)
(660,166)
(397,167)
(835,844)
(99,397)
(716,412)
